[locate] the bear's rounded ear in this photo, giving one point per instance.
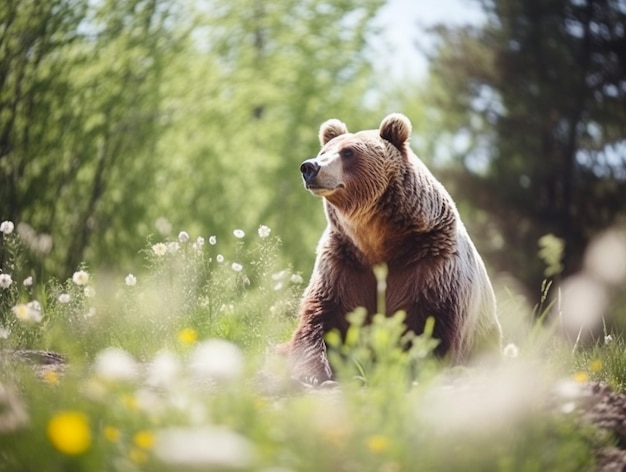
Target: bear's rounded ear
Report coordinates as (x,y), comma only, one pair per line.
(396,128)
(331,129)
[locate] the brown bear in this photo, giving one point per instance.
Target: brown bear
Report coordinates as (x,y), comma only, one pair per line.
(383,205)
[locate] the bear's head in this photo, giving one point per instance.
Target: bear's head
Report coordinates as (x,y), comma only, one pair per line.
(354,169)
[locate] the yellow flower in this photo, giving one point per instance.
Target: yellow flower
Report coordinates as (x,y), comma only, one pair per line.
(187,336)
(111,433)
(69,432)
(21,311)
(51,377)
(595,365)
(144,439)
(138,456)
(581,377)
(378,443)
(130,402)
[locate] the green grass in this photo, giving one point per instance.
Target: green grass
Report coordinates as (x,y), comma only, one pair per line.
(164,375)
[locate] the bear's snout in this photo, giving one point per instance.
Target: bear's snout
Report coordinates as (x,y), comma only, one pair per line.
(309,168)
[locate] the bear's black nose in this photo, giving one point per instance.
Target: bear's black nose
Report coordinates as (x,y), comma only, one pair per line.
(309,169)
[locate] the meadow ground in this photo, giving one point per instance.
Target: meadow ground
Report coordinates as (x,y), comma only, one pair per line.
(170,368)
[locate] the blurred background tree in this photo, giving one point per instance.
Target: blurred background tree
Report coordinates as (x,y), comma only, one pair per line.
(534,103)
(121,113)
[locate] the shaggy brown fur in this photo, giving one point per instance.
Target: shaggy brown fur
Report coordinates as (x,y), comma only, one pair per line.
(384,206)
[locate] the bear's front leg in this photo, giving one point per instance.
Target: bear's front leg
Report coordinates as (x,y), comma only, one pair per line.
(308,361)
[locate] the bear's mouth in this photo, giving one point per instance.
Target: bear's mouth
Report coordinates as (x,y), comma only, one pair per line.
(323,191)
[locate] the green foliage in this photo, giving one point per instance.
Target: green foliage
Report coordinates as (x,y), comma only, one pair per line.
(118,113)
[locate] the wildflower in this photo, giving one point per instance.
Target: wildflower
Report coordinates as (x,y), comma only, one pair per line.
(64,298)
(219,258)
(183,237)
(115,364)
(187,336)
(581,377)
(80,278)
(378,443)
(89,291)
(296,279)
(203,447)
(7,227)
(144,439)
(163,369)
(5,280)
(111,434)
(28,312)
(595,365)
(130,402)
(51,377)
(264,231)
(138,456)
(69,432)
(199,243)
(159,249)
(163,226)
(130,280)
(510,351)
(21,312)
(212,240)
(35,311)
(608,339)
(278,286)
(217,359)
(91,312)
(239,233)
(28,281)
(4,332)
(237,267)
(173,247)
(279,275)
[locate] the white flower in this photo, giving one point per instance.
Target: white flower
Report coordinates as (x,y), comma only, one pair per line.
(510,351)
(199,243)
(296,279)
(28,312)
(239,233)
(90,313)
(80,278)
(264,231)
(159,249)
(115,364)
(279,275)
(608,339)
(163,226)
(4,333)
(163,370)
(89,291)
(173,247)
(7,227)
(212,240)
(219,258)
(130,280)
(203,447)
(217,359)
(183,237)
(5,280)
(28,281)
(236,267)
(64,298)
(278,286)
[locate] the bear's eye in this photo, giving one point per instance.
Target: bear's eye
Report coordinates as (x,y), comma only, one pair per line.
(346,153)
